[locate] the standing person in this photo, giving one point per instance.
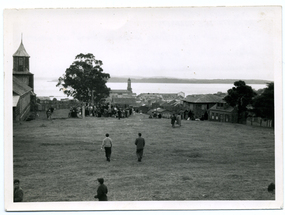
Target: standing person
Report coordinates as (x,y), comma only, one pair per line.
(48,112)
(107,144)
(173,119)
(178,118)
(18,192)
(101,191)
(119,113)
(140,143)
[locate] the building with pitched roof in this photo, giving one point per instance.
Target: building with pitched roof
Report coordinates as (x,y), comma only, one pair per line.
(200,104)
(124,102)
(223,112)
(23,85)
(162,96)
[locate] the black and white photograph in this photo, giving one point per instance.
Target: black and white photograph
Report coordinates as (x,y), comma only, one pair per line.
(144,108)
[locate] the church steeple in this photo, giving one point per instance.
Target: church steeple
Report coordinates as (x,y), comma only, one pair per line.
(129,85)
(21,59)
(21,66)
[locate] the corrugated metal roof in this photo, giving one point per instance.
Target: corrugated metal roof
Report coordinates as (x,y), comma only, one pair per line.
(19,87)
(204,98)
(21,52)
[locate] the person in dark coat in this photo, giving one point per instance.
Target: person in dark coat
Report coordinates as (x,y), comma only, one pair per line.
(18,192)
(48,112)
(101,191)
(173,119)
(119,113)
(140,143)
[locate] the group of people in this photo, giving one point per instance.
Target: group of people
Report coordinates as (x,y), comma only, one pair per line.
(101,110)
(107,144)
(175,118)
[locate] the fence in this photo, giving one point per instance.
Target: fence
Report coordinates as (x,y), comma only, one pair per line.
(258,121)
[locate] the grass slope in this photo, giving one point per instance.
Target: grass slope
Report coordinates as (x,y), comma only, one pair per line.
(60,160)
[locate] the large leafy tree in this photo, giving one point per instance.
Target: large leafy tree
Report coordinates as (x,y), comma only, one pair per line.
(240,96)
(263,104)
(85,78)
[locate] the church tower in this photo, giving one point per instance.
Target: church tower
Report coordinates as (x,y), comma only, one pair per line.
(21,66)
(129,85)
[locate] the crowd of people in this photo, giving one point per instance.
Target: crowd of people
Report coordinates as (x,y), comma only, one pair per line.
(101,110)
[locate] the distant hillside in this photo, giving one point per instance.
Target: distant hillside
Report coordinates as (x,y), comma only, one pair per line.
(180,81)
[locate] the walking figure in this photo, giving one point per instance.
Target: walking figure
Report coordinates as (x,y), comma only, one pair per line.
(178,119)
(140,143)
(101,191)
(173,119)
(107,144)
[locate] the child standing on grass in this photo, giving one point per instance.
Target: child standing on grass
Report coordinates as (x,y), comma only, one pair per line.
(107,144)
(101,191)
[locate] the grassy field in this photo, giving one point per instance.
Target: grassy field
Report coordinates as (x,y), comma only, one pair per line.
(60,160)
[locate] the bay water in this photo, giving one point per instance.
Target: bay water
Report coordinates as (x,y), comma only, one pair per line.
(48,88)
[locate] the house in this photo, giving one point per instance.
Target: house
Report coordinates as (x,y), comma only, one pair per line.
(172,96)
(200,104)
(223,112)
(143,109)
(24,98)
(161,96)
(124,102)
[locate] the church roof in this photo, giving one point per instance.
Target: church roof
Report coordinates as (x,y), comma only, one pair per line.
(19,87)
(21,52)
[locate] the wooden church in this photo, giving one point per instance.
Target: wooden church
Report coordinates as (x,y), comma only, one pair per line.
(23,85)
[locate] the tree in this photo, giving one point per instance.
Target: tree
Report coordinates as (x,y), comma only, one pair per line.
(85,79)
(264,104)
(240,96)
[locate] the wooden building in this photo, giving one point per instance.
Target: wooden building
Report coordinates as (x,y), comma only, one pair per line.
(24,99)
(200,104)
(223,112)
(124,102)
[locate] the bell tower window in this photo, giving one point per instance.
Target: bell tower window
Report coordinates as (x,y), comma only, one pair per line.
(21,64)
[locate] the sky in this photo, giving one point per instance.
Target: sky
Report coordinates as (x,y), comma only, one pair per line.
(193,42)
